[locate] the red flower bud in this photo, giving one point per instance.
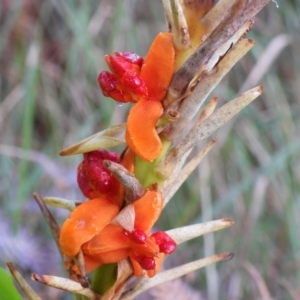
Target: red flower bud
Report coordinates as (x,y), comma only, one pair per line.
(118,65)
(135,84)
(125,84)
(131,57)
(109,86)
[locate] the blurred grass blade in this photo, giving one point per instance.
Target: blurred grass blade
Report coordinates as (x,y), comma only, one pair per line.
(261,284)
(30,83)
(30,293)
(111,137)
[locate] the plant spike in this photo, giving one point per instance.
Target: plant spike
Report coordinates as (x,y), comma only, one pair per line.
(110,233)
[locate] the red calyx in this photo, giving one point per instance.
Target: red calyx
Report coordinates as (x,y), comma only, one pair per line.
(166,244)
(93,179)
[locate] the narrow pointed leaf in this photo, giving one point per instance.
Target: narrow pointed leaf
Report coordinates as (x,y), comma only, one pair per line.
(61,203)
(183,234)
(206,128)
(170,187)
(66,284)
(54,228)
(174,273)
(30,293)
(191,105)
(110,137)
(213,18)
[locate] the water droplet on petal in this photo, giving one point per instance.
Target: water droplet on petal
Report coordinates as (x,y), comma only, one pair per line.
(80,224)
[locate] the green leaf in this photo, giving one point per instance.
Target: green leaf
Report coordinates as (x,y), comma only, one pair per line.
(7,289)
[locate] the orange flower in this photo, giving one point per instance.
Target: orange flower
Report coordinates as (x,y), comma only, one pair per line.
(106,236)
(144,82)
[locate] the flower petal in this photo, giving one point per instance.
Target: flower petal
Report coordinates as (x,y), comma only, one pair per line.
(147,210)
(141,135)
(158,67)
(112,237)
(85,222)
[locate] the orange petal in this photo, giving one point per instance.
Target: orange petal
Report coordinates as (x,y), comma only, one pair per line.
(92,262)
(85,222)
(127,160)
(158,67)
(110,238)
(141,135)
(147,210)
(109,246)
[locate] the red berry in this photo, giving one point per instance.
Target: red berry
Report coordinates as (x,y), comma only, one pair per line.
(166,244)
(167,247)
(138,236)
(147,263)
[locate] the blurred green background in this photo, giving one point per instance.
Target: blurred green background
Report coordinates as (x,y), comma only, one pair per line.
(50,55)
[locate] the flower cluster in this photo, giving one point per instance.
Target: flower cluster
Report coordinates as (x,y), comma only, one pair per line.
(145,83)
(97,227)
(104,233)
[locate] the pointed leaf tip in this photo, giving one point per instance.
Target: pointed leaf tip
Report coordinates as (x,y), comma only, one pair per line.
(110,137)
(186,233)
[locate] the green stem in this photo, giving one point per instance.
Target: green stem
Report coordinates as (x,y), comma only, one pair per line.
(145,171)
(104,278)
